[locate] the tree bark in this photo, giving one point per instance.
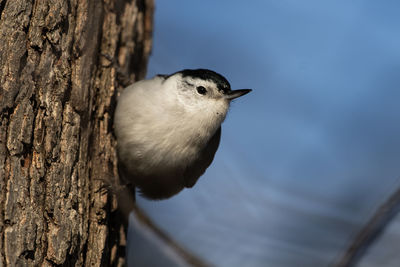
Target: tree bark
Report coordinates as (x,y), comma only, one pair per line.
(61,66)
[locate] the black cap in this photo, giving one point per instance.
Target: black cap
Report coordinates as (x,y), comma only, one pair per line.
(205,74)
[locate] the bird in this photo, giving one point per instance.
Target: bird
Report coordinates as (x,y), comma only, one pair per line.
(168,129)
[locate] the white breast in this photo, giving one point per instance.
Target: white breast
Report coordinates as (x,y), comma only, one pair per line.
(156,132)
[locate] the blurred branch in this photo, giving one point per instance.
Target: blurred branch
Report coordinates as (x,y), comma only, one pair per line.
(186,257)
(371,231)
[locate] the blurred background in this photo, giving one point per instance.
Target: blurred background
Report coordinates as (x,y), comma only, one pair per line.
(309,155)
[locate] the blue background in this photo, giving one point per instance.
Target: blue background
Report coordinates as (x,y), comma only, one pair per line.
(308,156)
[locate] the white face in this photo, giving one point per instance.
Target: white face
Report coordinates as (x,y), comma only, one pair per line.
(200,98)
(195,91)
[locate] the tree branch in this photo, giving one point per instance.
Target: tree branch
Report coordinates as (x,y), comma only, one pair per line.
(371,231)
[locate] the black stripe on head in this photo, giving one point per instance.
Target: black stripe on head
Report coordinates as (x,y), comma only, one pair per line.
(205,74)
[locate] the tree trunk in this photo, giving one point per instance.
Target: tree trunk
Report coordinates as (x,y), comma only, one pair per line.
(61,65)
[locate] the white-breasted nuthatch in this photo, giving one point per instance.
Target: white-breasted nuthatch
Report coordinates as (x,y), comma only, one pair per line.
(168,129)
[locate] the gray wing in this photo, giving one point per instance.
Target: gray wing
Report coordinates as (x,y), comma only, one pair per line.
(197,168)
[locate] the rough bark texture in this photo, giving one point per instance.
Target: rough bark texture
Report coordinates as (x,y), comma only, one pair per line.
(58,83)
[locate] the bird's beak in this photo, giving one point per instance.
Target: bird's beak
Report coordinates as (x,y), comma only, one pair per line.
(236,93)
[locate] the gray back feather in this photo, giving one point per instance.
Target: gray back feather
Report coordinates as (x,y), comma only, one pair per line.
(198,167)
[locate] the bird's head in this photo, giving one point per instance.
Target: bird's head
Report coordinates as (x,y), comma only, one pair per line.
(202,88)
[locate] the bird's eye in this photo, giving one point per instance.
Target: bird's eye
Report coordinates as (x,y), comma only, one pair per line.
(201,90)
